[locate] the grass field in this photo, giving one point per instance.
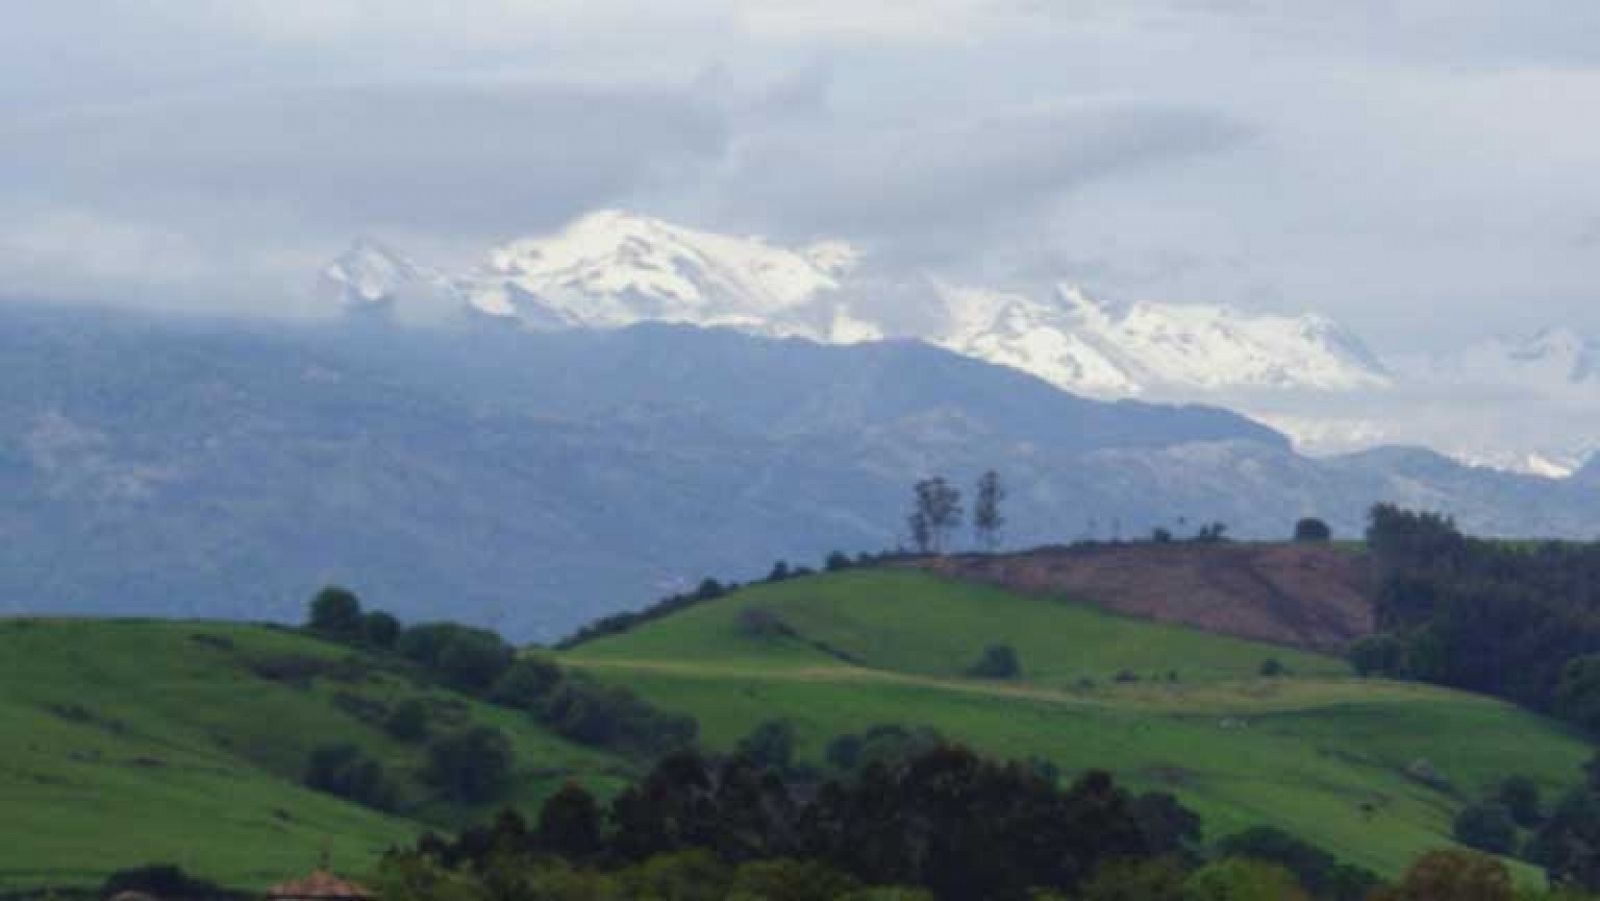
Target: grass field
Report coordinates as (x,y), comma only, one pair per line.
(1320,752)
(129,742)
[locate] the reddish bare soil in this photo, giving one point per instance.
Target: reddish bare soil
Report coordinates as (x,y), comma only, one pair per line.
(1308,596)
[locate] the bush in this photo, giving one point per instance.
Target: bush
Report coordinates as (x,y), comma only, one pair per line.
(1486,827)
(838,560)
(1312,531)
(466,658)
(1272,668)
(527,682)
(161,880)
(1452,876)
(1314,868)
(408,721)
(471,767)
(345,771)
(1520,795)
(999,661)
(336,613)
(379,629)
(769,746)
(613,717)
(1378,655)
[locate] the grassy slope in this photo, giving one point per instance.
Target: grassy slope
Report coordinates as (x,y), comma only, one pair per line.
(1305,752)
(126,742)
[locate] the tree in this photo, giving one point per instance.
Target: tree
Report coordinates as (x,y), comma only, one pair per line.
(769,746)
(1272,668)
(1452,876)
(1520,795)
(1236,879)
(1315,869)
(408,721)
(336,613)
(569,824)
(345,771)
(1486,827)
(380,629)
(780,571)
(1213,533)
(527,682)
(1578,692)
(936,513)
(987,520)
(838,560)
(1312,531)
(470,767)
(999,661)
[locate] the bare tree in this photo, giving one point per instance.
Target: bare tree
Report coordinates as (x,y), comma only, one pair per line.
(987,519)
(936,514)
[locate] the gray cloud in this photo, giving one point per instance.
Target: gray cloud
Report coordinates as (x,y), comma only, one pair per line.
(1420,169)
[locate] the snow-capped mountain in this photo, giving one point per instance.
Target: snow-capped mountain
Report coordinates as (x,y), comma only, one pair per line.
(1523,405)
(1104,349)
(612,269)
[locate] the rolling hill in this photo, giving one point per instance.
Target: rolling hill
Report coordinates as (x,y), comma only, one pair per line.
(130,742)
(1372,770)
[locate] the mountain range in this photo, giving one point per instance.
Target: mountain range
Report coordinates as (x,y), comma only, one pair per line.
(535,479)
(1306,375)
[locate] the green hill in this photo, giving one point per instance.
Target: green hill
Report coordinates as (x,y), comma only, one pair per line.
(129,742)
(1372,770)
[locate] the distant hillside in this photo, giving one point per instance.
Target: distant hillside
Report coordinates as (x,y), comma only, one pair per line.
(1372,770)
(536,481)
(1316,597)
(132,742)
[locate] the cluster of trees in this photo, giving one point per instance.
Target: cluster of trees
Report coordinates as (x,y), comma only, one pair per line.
(936,513)
(944,821)
(473,764)
(1521,621)
(906,817)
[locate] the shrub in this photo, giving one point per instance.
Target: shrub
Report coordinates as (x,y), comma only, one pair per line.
(380,629)
(336,613)
(525,683)
(769,745)
(408,721)
(1486,827)
(160,880)
(1312,531)
(1520,795)
(999,661)
(470,767)
(1272,668)
(344,770)
(838,560)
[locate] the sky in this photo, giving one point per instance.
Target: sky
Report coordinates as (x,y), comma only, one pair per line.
(1426,171)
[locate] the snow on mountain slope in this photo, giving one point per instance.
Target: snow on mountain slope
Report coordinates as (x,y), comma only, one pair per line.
(1518,404)
(611,269)
(1094,347)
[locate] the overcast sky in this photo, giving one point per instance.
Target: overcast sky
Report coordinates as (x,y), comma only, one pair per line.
(1426,170)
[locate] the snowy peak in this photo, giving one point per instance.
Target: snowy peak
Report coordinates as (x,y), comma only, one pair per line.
(610,269)
(1087,345)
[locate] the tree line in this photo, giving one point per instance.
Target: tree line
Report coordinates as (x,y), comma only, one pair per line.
(912,819)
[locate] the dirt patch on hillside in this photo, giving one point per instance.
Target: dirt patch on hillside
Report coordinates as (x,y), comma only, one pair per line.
(1306,596)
